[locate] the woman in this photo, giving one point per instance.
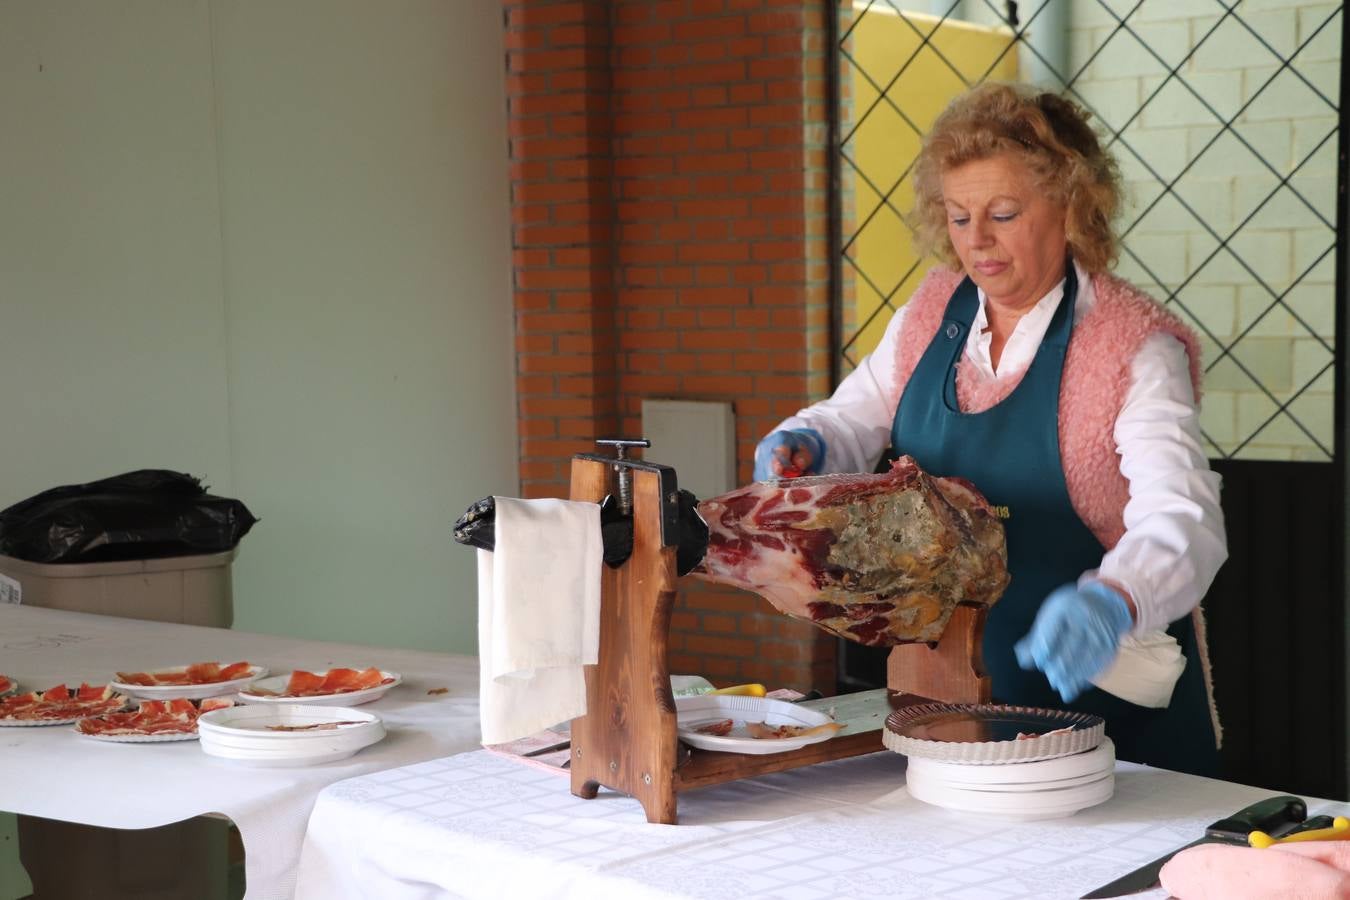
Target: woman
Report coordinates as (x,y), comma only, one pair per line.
(1069,398)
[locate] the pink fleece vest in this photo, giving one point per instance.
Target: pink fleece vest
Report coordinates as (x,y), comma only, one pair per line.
(1092,393)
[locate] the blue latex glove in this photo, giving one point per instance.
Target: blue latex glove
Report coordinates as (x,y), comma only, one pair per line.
(789,454)
(1075,636)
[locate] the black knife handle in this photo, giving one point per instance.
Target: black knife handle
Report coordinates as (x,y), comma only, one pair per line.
(1314,823)
(1267,815)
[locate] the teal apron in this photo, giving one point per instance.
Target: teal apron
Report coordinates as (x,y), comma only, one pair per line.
(1011,453)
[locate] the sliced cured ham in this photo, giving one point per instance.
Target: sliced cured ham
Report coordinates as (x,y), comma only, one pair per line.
(204,673)
(763,731)
(211,703)
(196,673)
(153,717)
(59,694)
(878,559)
(303,684)
(322,684)
(58,704)
(341,681)
(317,726)
(234,670)
(91,692)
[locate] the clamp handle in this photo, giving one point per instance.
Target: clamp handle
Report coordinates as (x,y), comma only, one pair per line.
(621,446)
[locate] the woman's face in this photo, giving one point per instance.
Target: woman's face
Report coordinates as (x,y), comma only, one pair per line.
(1007,234)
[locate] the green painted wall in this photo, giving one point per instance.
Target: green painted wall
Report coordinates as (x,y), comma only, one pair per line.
(268,244)
(366,233)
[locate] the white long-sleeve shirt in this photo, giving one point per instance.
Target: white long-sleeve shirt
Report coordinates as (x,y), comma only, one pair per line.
(1174,539)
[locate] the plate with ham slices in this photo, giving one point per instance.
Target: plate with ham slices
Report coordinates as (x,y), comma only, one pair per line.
(757,725)
(351,687)
(154,722)
(59,705)
(195,681)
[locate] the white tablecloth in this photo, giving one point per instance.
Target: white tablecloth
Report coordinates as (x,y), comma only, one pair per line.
(480,826)
(76,779)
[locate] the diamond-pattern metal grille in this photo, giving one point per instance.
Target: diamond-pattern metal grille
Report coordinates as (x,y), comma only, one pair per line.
(1224,117)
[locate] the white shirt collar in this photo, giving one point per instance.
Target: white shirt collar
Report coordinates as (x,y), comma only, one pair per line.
(1023,343)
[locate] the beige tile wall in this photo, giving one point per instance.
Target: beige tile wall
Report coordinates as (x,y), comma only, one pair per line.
(1285,248)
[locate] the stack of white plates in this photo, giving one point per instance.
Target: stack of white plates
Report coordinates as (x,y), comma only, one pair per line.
(1045,789)
(287,734)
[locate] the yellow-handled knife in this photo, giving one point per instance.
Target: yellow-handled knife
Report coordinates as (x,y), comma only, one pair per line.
(1338,831)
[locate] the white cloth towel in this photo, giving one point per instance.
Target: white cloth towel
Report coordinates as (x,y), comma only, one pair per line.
(1145,670)
(538,615)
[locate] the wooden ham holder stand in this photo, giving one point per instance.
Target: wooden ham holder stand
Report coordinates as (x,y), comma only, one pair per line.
(627,739)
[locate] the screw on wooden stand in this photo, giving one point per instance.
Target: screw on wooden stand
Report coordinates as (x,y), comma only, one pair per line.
(625,475)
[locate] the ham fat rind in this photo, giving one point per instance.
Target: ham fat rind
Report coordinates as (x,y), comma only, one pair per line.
(879,559)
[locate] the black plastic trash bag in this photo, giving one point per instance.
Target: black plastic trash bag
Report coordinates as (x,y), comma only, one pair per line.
(147,514)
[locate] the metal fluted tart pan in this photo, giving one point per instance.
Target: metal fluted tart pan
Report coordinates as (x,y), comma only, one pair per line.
(987,734)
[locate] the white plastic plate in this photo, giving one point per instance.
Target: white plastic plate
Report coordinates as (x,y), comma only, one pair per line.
(1021,805)
(696,711)
(348,698)
(986,733)
(242,734)
(280,762)
(164,738)
(1006,776)
(31,723)
(187,691)
(65,720)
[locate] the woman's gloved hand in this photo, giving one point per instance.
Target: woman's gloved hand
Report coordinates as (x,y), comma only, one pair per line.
(1075,636)
(789,454)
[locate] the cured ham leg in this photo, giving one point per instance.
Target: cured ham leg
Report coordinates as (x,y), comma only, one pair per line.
(878,559)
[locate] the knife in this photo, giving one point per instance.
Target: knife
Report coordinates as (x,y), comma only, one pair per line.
(548,748)
(1272,815)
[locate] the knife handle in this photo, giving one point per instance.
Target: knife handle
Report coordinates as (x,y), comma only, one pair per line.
(1266,815)
(1339,831)
(1309,824)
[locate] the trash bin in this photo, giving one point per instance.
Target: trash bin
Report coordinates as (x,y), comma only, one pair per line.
(149,544)
(194,590)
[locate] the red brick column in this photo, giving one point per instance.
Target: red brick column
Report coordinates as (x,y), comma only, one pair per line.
(558,88)
(670,196)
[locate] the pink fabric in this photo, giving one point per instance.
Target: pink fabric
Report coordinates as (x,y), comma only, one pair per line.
(1316,870)
(1096,379)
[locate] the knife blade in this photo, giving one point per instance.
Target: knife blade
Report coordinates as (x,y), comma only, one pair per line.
(1273,812)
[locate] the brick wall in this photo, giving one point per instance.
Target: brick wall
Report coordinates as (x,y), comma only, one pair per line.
(668,168)
(562,201)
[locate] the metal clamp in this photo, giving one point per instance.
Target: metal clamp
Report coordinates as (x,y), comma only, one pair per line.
(624,474)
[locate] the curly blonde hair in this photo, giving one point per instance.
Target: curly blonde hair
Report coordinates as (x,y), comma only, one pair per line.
(1051,135)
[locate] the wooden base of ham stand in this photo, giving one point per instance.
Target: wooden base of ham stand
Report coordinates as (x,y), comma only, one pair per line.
(627,739)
